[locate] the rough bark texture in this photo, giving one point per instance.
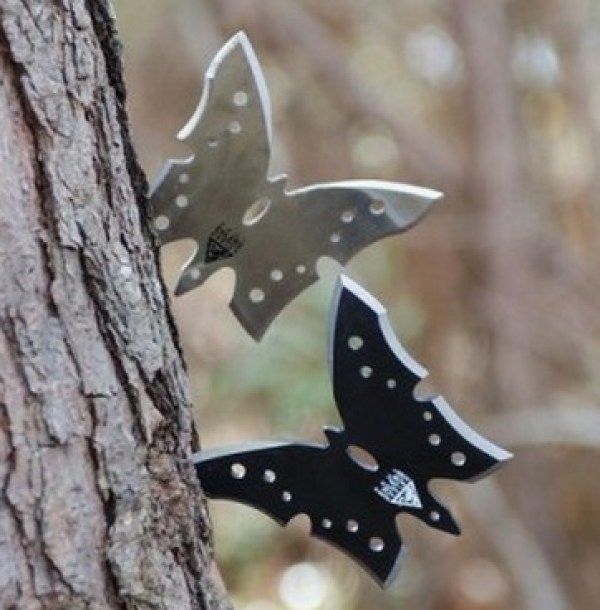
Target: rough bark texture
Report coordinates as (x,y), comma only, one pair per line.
(99,507)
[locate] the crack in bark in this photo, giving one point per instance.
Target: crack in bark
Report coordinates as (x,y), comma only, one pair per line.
(19,515)
(105,28)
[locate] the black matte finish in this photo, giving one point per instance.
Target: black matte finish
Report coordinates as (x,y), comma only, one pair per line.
(349,504)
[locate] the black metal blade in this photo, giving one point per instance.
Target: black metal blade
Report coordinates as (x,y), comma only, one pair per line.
(352,504)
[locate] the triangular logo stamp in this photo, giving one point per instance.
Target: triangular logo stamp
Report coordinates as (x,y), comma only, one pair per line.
(223,243)
(399,489)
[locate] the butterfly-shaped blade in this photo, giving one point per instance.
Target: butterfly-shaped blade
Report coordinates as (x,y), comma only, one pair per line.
(223,199)
(285,480)
(353,505)
(374,381)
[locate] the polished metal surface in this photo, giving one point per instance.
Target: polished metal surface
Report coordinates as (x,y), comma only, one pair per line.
(223,198)
(353,503)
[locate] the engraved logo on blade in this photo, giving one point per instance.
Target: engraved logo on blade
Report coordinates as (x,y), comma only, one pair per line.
(223,243)
(399,489)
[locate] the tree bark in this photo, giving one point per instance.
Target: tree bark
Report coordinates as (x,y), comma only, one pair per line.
(99,505)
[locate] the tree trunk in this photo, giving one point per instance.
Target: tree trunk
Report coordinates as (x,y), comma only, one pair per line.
(509,272)
(100,507)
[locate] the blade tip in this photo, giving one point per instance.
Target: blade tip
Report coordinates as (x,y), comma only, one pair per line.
(434,196)
(181,288)
(241,39)
(505,456)
(346,285)
(255,328)
(395,570)
(421,201)
(238,40)
(455,529)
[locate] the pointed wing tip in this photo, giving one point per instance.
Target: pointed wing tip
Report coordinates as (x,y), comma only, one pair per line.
(392,575)
(256,333)
(239,40)
(426,199)
(410,204)
(384,574)
(454,530)
(183,286)
(429,196)
(500,455)
(497,455)
(241,37)
(256,328)
(433,195)
(432,198)
(242,41)
(345,286)
(503,456)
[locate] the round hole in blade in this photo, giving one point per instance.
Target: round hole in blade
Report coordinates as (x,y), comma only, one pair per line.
(352,526)
(277,275)
(376,544)
(377,207)
(184,178)
(355,342)
(458,458)
(427,415)
(240,98)
(366,371)
(238,471)
(326,524)
(391,383)
(256,211)
(269,476)
(335,238)
(347,216)
(195,273)
(257,295)
(362,458)
(234,127)
(435,439)
(162,222)
(181,201)
(286,496)
(301,269)
(212,142)
(434,516)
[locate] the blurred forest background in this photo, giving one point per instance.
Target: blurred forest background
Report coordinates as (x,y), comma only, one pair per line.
(496,103)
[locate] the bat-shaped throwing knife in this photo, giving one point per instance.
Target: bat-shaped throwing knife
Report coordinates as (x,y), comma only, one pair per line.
(353,505)
(223,198)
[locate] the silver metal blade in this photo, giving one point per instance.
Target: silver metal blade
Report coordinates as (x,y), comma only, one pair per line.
(223,199)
